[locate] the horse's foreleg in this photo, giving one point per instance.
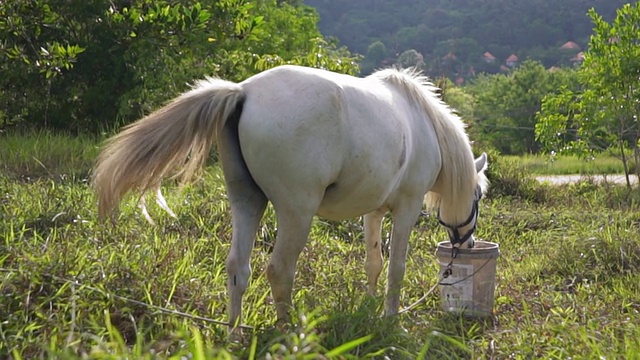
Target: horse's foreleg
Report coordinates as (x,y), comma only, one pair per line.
(293,230)
(372,238)
(404,218)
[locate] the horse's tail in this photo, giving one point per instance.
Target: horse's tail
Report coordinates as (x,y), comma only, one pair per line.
(174,140)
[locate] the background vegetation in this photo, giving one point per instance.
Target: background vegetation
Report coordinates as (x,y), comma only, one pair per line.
(385,29)
(603,111)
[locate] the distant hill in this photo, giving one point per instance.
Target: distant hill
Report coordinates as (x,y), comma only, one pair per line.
(459,38)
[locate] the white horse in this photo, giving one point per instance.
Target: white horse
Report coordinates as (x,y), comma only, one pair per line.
(312,142)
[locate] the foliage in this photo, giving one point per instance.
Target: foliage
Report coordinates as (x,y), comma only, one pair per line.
(83,65)
(604,112)
(322,55)
(461,103)
(458,99)
(532,29)
(509,178)
(376,55)
(567,281)
(410,58)
(506,104)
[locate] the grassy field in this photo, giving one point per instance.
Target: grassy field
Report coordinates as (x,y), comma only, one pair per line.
(569,164)
(568,279)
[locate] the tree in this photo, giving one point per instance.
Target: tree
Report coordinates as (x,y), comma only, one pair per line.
(604,112)
(506,104)
(461,103)
(291,36)
(87,65)
(376,55)
(411,58)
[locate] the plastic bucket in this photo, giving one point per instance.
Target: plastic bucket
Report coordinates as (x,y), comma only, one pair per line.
(470,288)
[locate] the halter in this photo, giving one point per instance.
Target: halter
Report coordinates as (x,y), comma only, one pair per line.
(455,238)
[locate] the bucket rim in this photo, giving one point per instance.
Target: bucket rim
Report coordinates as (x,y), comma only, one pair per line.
(479,244)
(481,248)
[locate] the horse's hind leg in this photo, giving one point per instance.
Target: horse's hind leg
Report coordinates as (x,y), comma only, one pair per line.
(247,208)
(293,232)
(248,203)
(372,237)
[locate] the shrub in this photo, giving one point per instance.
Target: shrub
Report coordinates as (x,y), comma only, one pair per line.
(508,178)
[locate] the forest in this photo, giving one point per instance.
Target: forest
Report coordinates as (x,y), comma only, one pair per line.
(450,37)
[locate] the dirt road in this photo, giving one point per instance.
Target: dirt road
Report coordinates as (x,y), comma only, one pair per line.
(566,179)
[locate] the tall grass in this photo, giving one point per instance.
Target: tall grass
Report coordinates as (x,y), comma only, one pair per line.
(42,153)
(568,282)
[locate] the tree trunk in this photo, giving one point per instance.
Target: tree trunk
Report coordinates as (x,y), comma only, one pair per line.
(636,158)
(625,164)
(636,144)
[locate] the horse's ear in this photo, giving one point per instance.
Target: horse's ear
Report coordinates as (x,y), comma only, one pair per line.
(481,163)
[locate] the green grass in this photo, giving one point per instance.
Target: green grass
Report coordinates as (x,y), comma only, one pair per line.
(568,164)
(34,154)
(568,281)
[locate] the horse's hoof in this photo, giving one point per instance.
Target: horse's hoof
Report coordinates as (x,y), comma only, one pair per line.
(235,335)
(283,325)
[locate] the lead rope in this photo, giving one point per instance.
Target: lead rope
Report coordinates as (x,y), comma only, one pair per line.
(445,274)
(110,295)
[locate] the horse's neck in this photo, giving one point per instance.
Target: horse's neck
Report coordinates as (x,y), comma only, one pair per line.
(453,206)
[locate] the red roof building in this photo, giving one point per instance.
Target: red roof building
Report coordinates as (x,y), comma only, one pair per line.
(450,57)
(578,58)
(570,45)
(488,57)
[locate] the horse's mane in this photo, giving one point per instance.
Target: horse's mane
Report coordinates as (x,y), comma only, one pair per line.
(458,178)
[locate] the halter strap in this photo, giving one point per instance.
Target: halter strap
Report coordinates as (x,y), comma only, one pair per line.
(455,238)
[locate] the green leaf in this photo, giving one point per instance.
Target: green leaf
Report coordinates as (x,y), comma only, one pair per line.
(348,346)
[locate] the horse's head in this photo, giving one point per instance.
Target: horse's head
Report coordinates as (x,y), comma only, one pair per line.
(461,235)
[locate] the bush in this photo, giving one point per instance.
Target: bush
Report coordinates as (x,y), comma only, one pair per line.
(508,178)
(95,65)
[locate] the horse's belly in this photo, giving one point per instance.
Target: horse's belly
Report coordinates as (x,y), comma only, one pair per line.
(336,211)
(343,203)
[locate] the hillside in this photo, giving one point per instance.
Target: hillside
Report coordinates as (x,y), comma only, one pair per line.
(458,38)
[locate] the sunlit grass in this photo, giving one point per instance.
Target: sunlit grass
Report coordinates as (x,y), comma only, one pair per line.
(568,283)
(569,164)
(40,153)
